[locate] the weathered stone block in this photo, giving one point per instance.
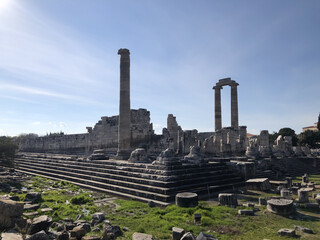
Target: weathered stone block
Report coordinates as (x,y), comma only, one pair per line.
(262,201)
(141,236)
(62,235)
(228,199)
(260,184)
(98,217)
(187,199)
(188,236)
(246,212)
(78,232)
(311,205)
(285,193)
(177,233)
(11,236)
(282,207)
(39,223)
(303,229)
(39,236)
(303,196)
(11,208)
(204,236)
(287,232)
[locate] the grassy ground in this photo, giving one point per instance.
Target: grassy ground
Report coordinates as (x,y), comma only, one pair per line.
(223,222)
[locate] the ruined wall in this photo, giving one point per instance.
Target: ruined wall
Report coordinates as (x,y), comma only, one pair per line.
(74,143)
(103,135)
(226,141)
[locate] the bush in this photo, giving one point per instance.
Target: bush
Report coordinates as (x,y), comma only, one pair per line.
(8,149)
(310,139)
(80,200)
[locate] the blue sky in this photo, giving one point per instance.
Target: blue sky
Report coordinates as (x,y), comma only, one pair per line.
(59,68)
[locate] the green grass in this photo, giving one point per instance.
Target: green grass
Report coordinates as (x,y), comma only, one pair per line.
(223,222)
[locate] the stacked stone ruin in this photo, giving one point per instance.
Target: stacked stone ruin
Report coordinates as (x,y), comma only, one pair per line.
(130,160)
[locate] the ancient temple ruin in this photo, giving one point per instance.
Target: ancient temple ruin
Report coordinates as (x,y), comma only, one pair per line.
(135,162)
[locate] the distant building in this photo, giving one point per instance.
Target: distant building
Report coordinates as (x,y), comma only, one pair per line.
(311,128)
(249,135)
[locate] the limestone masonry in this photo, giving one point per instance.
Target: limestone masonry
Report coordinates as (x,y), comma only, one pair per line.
(122,155)
(121,135)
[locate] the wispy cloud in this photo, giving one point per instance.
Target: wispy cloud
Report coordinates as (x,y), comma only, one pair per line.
(39,51)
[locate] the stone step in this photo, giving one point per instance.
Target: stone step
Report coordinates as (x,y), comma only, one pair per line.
(128,183)
(144,168)
(129,196)
(132,173)
(106,186)
(158,180)
(128,179)
(119,163)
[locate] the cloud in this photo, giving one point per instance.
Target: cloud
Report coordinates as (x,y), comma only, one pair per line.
(157,128)
(36,123)
(1,131)
(43,92)
(50,59)
(62,124)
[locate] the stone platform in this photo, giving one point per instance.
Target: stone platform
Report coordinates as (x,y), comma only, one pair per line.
(140,181)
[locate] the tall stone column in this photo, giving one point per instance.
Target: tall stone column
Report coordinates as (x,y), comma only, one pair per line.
(234,105)
(217,107)
(124,123)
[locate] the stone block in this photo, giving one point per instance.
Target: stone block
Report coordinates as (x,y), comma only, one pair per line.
(177,233)
(11,236)
(303,229)
(188,236)
(141,236)
(62,235)
(285,193)
(98,217)
(187,199)
(246,212)
(228,199)
(40,223)
(39,236)
(11,208)
(31,206)
(303,196)
(204,236)
(78,232)
(260,184)
(282,207)
(262,201)
(311,205)
(287,232)
(197,218)
(92,237)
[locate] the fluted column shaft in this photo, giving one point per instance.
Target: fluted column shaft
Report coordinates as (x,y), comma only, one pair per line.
(234,106)
(124,124)
(217,107)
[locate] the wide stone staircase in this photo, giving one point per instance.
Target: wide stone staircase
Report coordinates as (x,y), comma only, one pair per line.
(144,182)
(290,167)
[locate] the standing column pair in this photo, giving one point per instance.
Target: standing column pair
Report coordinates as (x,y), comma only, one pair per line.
(234,103)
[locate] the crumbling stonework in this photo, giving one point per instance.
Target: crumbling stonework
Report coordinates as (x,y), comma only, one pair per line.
(104,135)
(226,141)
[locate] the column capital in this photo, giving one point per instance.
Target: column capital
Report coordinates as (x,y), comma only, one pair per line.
(217,87)
(124,52)
(234,84)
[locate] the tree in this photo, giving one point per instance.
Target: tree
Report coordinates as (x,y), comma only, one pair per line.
(289,132)
(272,137)
(318,125)
(8,149)
(310,139)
